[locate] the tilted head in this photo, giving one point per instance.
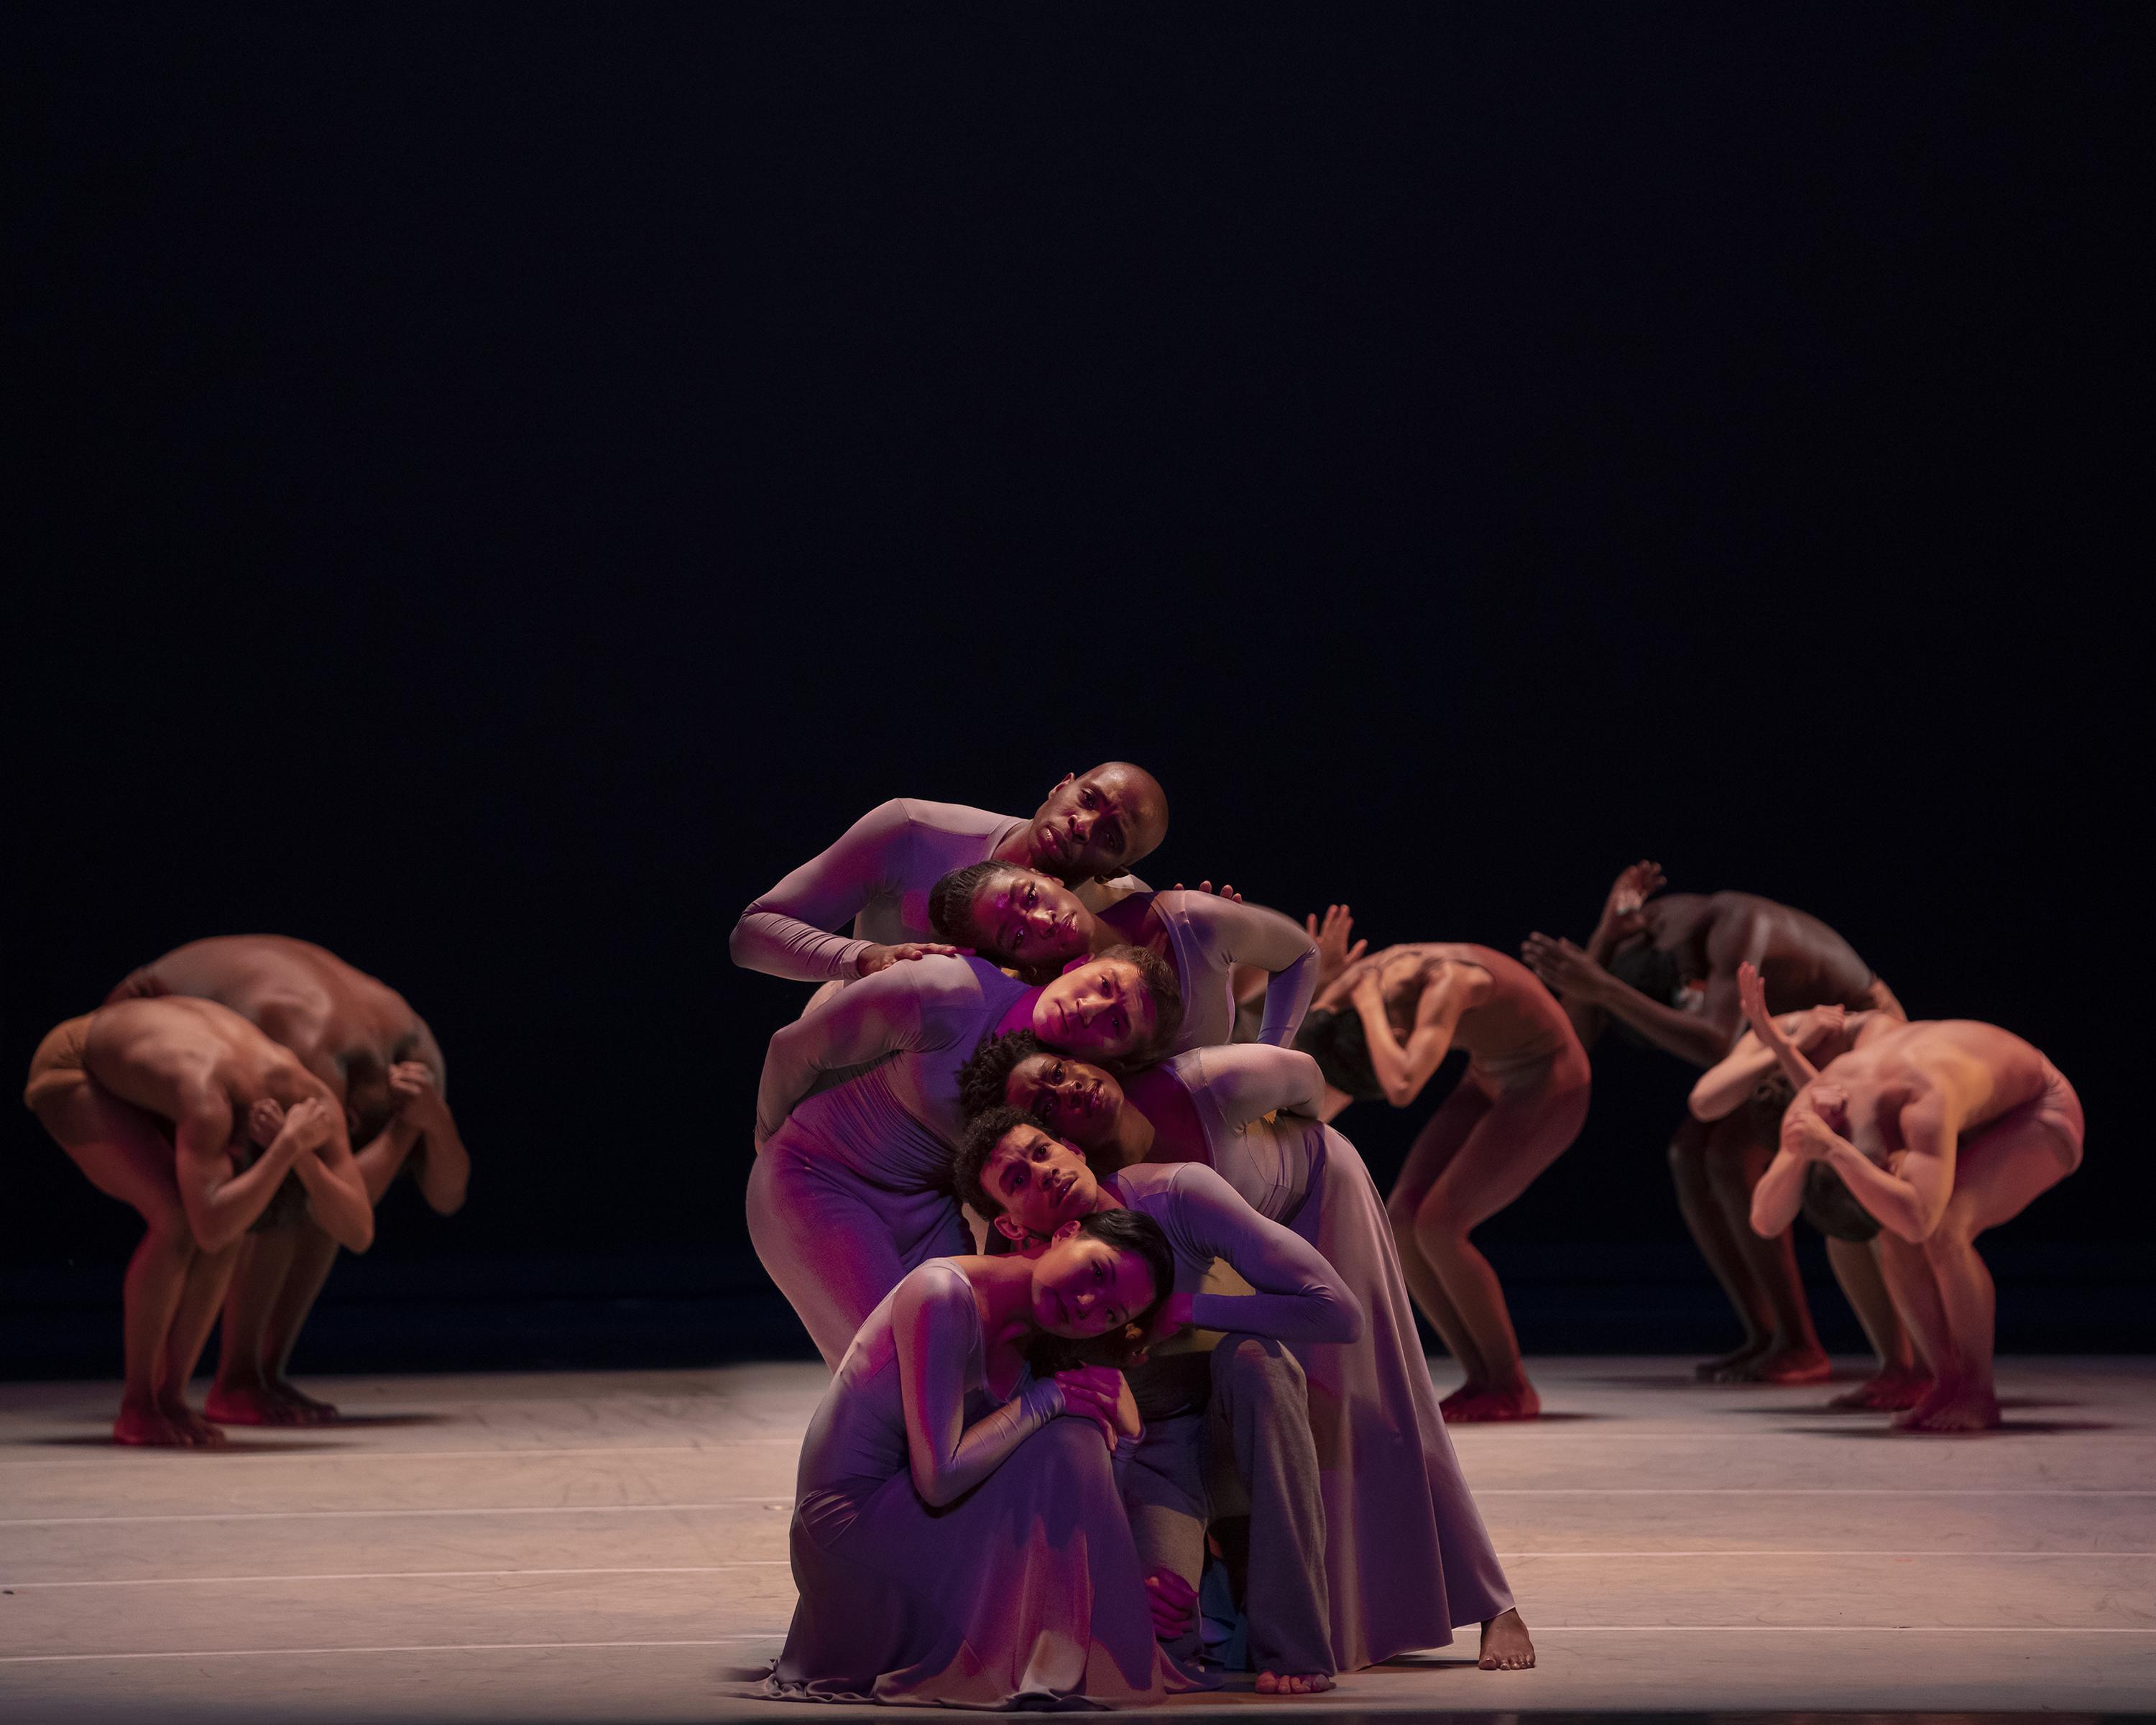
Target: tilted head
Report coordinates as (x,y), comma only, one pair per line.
(1341,1046)
(1025,1181)
(1121,1006)
(1012,916)
(1096,825)
(1073,1098)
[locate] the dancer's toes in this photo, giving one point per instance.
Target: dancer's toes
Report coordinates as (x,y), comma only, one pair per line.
(1890,1390)
(1710,1371)
(201,1433)
(1506,1646)
(1471,1406)
(1970,1407)
(1290,1683)
(247,1404)
(150,1426)
(307,1409)
(1795,1365)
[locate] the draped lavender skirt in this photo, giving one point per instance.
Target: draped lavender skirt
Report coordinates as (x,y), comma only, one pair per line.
(1406,1554)
(1024,1593)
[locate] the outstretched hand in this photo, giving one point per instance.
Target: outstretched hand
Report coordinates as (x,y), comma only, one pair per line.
(1752,994)
(877,957)
(1563,967)
(1334,954)
(1174,1604)
(1224,891)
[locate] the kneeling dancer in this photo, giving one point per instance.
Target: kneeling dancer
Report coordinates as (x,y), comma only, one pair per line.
(1941,1130)
(1406,1554)
(957,1538)
(187,1112)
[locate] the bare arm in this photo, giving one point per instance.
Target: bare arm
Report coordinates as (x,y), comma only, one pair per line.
(1724,1086)
(1402,1069)
(221,1205)
(933,1324)
(337,1197)
(1621,916)
(1780,1192)
(442,1166)
(1908,1201)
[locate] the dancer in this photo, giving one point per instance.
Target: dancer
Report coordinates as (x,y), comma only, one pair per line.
(1406,1553)
(1940,1130)
(851,1185)
(187,1112)
(957,1537)
(1021,918)
(384,1068)
(1664,970)
(1238,1407)
(1382,1027)
(1091,830)
(1749,1080)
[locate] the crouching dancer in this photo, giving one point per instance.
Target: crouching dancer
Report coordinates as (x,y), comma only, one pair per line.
(187,1112)
(1227,1424)
(957,1538)
(1940,1130)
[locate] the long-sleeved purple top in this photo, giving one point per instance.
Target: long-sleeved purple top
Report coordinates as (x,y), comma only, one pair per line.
(878,875)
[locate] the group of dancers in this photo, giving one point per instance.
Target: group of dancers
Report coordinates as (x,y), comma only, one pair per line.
(1127,1383)
(1125,1376)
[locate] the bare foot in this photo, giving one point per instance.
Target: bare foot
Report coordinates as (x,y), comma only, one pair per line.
(1710,1371)
(150,1427)
(1969,1407)
(1781,1365)
(250,1405)
(311,1410)
(1506,1646)
(1469,1405)
(201,1433)
(1892,1387)
(1290,1683)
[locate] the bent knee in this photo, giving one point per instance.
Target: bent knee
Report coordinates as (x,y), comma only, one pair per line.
(1255,1362)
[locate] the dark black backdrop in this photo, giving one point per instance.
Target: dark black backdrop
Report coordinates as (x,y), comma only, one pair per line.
(502,485)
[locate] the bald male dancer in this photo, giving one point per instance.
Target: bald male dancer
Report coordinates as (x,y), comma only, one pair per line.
(1089,831)
(385,1071)
(1665,969)
(1941,1130)
(187,1112)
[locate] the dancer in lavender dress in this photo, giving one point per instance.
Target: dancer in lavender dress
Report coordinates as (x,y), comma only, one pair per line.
(1407,1556)
(1021,918)
(1089,830)
(849,1189)
(957,1539)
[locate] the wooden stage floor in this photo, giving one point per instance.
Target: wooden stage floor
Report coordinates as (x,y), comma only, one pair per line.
(597,1546)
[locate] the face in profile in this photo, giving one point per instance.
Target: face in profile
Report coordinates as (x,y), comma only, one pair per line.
(1098,1011)
(1095,827)
(1023,918)
(1039,1181)
(1083,1286)
(1074,1099)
